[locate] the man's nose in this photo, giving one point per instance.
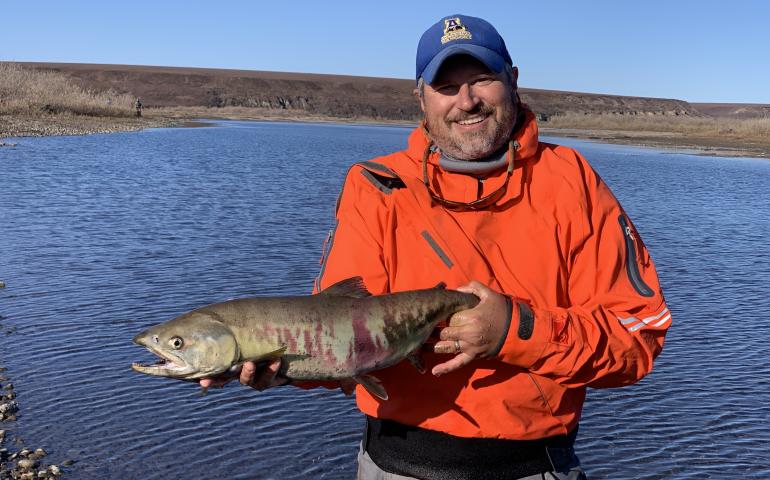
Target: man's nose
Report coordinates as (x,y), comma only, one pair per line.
(466,98)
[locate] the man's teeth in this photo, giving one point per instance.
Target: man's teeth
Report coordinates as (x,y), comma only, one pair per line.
(471,121)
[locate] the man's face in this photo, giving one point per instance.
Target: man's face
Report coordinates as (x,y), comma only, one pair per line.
(468,109)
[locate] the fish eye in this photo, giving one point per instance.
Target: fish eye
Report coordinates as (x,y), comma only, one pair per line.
(176,342)
(155,339)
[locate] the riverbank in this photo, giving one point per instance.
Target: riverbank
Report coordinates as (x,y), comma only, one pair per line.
(696,145)
(726,144)
(63,124)
(704,135)
(21,462)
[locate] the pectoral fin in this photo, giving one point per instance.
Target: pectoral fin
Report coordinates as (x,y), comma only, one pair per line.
(372,385)
(265,356)
(416,360)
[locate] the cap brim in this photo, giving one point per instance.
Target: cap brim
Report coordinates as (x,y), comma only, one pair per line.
(491,59)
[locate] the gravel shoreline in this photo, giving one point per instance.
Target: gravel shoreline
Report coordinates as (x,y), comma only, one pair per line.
(20,462)
(43,126)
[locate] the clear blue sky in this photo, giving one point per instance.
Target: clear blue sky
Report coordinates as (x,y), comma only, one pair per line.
(700,51)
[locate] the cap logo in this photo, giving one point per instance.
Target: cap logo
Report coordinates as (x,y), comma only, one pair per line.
(455,30)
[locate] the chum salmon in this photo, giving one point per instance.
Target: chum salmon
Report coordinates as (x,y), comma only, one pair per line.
(343,332)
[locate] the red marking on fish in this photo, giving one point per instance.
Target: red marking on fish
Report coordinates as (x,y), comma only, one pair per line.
(365,348)
(329,355)
(289,339)
(330,329)
(319,330)
(308,343)
(268,331)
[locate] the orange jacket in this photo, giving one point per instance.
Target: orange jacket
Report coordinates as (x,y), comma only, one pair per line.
(557,240)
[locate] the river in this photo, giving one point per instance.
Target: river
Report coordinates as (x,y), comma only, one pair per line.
(103,235)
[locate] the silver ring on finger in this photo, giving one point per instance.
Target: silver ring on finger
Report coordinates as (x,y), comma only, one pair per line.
(457,346)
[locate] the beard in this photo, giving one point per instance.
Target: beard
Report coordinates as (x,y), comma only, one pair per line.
(477,144)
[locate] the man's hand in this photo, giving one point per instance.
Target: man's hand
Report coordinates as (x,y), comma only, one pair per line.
(265,378)
(477,332)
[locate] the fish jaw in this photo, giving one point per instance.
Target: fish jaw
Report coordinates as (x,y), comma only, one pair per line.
(164,369)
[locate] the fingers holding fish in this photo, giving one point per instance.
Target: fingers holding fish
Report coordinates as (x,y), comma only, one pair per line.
(461,341)
(476,332)
(488,321)
(248,371)
(263,379)
(250,374)
(218,381)
(458,361)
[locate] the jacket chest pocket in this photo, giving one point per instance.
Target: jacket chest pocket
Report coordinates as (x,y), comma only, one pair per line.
(421,260)
(438,252)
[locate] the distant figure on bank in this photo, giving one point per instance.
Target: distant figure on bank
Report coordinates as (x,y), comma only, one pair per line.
(138,106)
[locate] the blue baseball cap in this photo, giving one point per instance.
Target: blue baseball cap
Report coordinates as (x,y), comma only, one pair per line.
(460,34)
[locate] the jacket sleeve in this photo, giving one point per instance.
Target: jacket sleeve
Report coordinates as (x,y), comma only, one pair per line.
(354,246)
(615,322)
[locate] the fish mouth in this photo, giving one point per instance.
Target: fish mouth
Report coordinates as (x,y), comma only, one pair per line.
(166,365)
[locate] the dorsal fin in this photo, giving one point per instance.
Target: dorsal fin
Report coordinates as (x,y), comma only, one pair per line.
(350,287)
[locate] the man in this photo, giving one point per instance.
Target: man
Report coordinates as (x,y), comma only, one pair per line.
(569,297)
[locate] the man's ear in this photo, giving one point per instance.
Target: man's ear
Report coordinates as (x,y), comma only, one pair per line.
(515,77)
(416,93)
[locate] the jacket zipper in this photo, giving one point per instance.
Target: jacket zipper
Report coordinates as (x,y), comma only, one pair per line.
(326,249)
(632,268)
(437,249)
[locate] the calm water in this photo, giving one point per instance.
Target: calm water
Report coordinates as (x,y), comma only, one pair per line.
(101,236)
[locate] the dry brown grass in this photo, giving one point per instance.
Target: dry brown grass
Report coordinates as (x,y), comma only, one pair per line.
(748,129)
(34,92)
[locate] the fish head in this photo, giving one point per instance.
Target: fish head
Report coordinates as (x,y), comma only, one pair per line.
(192,346)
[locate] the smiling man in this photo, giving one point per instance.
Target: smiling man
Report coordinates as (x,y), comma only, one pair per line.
(569,297)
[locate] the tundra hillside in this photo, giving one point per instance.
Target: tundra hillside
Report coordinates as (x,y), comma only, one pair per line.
(174,94)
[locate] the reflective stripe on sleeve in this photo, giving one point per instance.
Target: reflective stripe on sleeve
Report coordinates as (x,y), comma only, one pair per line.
(654,321)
